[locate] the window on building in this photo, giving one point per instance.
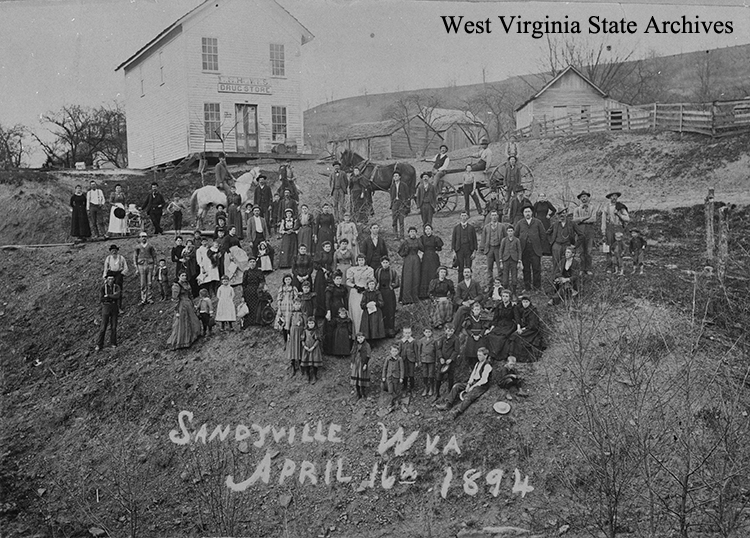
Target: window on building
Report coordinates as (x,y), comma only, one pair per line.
(277,60)
(210,54)
(212,121)
(161,68)
(278,123)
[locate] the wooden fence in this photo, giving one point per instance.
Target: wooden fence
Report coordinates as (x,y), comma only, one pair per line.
(717,119)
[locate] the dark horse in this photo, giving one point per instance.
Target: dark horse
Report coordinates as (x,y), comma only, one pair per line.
(380,175)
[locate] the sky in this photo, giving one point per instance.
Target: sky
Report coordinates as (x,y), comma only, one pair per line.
(56,52)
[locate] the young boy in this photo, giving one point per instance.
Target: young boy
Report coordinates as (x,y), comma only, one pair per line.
(637,250)
(507,376)
(448,348)
(205,310)
(162,277)
(408,352)
(427,348)
(617,249)
(510,253)
(393,374)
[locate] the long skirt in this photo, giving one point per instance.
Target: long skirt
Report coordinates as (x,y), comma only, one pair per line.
(430,264)
(340,339)
(186,328)
(410,279)
(498,342)
(288,250)
(355,308)
(117,226)
(312,358)
(359,377)
(471,346)
(79,226)
(389,311)
(526,347)
(320,294)
(234,218)
(294,344)
(251,300)
(305,237)
(442,312)
(372,325)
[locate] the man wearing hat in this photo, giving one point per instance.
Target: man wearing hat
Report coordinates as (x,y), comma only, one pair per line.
(359,191)
(109,296)
(584,218)
(440,164)
(560,235)
(485,156)
(257,228)
(511,177)
(426,199)
(222,175)
(145,261)
(532,236)
(519,201)
(400,204)
(615,219)
(339,184)
(116,265)
(95,207)
(263,197)
(153,206)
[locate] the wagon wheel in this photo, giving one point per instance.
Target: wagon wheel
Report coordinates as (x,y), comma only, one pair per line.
(497,178)
(447,198)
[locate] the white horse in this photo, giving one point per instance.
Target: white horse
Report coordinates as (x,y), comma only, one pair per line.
(209,195)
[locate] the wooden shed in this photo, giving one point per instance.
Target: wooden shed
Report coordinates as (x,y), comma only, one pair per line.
(570,93)
(459,129)
(387,140)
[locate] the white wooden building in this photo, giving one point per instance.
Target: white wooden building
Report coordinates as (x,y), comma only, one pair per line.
(570,93)
(224,77)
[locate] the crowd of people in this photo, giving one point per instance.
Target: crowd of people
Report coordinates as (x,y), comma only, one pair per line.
(339,293)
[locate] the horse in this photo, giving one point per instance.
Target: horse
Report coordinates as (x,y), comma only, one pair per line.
(208,196)
(379,175)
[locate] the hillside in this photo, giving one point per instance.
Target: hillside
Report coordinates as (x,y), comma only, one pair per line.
(725,75)
(91,440)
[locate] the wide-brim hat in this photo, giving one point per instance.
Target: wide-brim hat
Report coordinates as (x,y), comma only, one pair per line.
(289,210)
(520,188)
(423,174)
(143,234)
(614,193)
(524,297)
(262,176)
(584,193)
(527,206)
(502,408)
(120,213)
(114,247)
(484,142)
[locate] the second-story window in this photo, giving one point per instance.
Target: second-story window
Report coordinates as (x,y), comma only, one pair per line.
(277,60)
(210,54)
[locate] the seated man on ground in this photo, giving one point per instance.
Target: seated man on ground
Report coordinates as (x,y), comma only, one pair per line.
(479,382)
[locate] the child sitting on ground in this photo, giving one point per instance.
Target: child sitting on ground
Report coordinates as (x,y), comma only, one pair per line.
(205,310)
(427,348)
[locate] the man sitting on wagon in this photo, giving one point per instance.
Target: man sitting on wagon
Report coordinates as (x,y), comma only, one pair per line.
(485,157)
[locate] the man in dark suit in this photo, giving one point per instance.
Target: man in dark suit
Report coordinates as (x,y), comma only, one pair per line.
(154,206)
(464,243)
(519,201)
(426,199)
(468,292)
(400,202)
(109,295)
(263,197)
(532,235)
(374,248)
(338,182)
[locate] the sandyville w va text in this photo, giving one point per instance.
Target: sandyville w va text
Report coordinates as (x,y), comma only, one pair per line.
(514,24)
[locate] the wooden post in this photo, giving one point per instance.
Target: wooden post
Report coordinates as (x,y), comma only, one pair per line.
(721,266)
(654,113)
(681,113)
(710,243)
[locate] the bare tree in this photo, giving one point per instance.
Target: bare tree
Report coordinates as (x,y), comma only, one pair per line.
(13,147)
(406,109)
(496,105)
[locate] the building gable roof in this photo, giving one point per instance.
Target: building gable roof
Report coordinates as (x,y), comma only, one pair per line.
(558,77)
(441,119)
(373,129)
(176,27)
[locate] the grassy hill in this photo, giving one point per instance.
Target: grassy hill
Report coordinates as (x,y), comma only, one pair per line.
(641,393)
(694,76)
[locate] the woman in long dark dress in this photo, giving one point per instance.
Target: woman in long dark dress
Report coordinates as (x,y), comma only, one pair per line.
(234,212)
(323,264)
(341,334)
(387,281)
(79,225)
(190,263)
(504,325)
(526,343)
(288,231)
(476,331)
(251,281)
(305,232)
(186,327)
(337,297)
(411,271)
(430,245)
(372,313)
(325,228)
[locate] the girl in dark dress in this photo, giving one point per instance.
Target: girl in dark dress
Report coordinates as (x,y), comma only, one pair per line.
(360,373)
(302,267)
(504,325)
(430,245)
(307,299)
(325,228)
(476,329)
(234,212)
(252,279)
(79,225)
(337,297)
(387,280)
(409,251)
(288,231)
(526,343)
(372,313)
(341,334)
(323,265)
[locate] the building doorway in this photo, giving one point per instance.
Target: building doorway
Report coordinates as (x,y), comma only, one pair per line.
(246,118)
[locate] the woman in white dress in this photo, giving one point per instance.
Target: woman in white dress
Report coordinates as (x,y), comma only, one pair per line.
(117,201)
(356,279)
